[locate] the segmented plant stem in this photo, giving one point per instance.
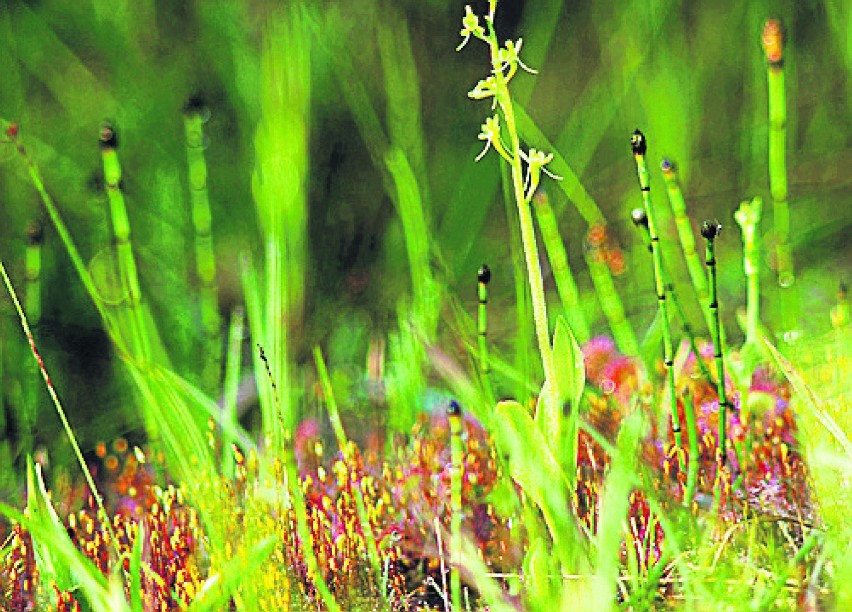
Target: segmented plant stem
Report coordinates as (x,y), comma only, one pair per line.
(195,114)
(622,331)
(639,146)
(710,230)
(124,251)
(773,47)
(640,219)
(483,277)
(748,218)
(687,239)
(233,364)
(10,131)
(454,415)
(565,284)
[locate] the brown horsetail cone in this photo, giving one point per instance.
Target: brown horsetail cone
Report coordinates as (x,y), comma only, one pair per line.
(638,143)
(711,229)
(35,232)
(107,136)
(484,274)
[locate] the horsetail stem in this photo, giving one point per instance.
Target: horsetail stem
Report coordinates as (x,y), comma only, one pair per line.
(99,501)
(483,277)
(773,47)
(233,365)
(748,218)
(121,229)
(195,115)
(692,436)
(454,415)
(346,451)
(565,284)
(11,132)
(613,309)
(640,145)
(32,306)
(32,294)
(640,219)
(687,239)
(710,230)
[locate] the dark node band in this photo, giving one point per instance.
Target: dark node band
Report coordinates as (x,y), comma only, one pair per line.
(711,262)
(655,238)
(483,302)
(107,137)
(661,297)
(638,143)
(646,188)
(675,429)
(714,304)
(668,363)
(484,274)
(718,356)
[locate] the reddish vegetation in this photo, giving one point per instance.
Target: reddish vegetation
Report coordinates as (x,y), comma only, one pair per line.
(407,497)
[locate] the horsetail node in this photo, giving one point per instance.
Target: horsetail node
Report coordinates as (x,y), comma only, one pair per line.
(773,47)
(454,415)
(710,231)
(640,220)
(640,145)
(483,277)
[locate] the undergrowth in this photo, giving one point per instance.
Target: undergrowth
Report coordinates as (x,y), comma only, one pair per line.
(670,469)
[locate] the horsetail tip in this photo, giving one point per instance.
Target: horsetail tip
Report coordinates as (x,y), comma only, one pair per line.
(454,409)
(640,217)
(842,290)
(710,229)
(484,274)
(195,106)
(107,136)
(667,166)
(11,131)
(35,232)
(638,143)
(773,41)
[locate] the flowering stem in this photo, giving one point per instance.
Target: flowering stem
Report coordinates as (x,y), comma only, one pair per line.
(504,100)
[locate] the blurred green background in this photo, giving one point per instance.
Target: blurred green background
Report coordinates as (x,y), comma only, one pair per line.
(691,75)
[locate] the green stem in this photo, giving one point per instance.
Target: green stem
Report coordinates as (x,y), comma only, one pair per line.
(687,239)
(639,145)
(504,100)
(205,258)
(565,284)
(748,218)
(773,47)
(233,365)
(483,278)
(123,246)
(457,457)
(11,132)
(709,231)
